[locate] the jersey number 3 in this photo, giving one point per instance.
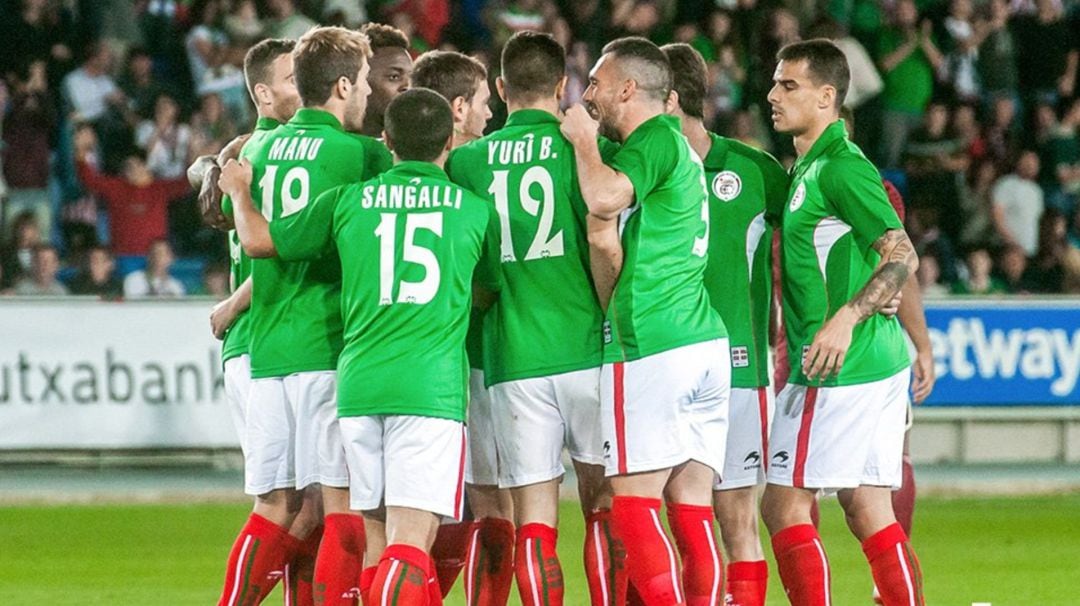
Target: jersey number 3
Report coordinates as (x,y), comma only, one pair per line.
(417,293)
(544,244)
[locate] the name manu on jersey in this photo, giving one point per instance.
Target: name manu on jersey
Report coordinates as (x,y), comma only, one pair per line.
(295,148)
(522,151)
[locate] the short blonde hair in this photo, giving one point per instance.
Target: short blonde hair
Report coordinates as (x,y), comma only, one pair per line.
(322,56)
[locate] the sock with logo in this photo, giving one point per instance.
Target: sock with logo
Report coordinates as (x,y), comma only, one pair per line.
(650,558)
(746,583)
(490,559)
(300,573)
(703,567)
(536,566)
(605,561)
(894,566)
(256,562)
(448,553)
(803,566)
(340,559)
(402,577)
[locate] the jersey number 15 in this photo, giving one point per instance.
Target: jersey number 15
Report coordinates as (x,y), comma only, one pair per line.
(417,293)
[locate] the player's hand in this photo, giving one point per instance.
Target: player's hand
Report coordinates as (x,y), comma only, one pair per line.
(830,345)
(210,201)
(893,307)
(578,125)
(222,317)
(924,376)
(235,178)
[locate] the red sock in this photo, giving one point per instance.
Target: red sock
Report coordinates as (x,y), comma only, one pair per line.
(605,561)
(804,569)
(256,562)
(894,566)
(301,570)
(703,567)
(746,583)
(650,558)
(341,556)
(367,577)
(448,553)
(536,566)
(903,500)
(633,598)
(402,577)
(434,589)
(490,562)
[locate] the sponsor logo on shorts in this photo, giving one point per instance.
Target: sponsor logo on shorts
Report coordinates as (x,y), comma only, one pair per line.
(740,357)
(752,461)
(726,186)
(780,459)
(607,449)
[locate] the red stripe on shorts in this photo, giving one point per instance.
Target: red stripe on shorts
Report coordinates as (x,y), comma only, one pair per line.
(461,477)
(803,443)
(763,410)
(620,419)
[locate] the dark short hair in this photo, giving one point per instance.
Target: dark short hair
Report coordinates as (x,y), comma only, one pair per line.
(418,124)
(825,62)
(449,73)
(323,56)
(532,65)
(260,57)
(646,64)
(381,35)
(689,77)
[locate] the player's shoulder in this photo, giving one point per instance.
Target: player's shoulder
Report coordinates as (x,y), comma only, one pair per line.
(843,162)
(769,166)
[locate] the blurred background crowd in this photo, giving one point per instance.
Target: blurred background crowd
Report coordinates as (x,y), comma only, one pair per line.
(969,107)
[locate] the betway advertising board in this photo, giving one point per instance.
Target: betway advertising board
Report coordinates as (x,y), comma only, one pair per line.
(1005,352)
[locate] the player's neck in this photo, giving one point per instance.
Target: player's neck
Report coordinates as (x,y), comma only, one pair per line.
(549,105)
(637,114)
(461,138)
(805,140)
(336,110)
(694,131)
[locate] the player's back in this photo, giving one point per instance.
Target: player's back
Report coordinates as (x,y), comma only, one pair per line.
(547,319)
(296,305)
(410,241)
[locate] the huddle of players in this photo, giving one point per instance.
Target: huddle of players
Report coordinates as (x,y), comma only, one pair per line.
(601,268)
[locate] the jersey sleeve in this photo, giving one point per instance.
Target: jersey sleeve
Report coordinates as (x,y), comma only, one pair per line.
(309,233)
(854,191)
(647,162)
(487,272)
(377,158)
(777,183)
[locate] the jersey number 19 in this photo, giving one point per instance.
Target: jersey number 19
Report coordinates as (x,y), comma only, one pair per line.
(543,244)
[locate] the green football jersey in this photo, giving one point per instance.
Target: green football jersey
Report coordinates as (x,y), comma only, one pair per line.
(238,337)
(296,306)
(547,319)
(743,182)
(660,302)
(837,209)
(409,241)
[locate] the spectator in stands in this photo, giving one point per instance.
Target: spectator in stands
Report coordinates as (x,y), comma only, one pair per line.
(1018,204)
(243,25)
(206,44)
(962,51)
(909,59)
(154,281)
(1056,263)
(42,282)
(90,90)
(36,33)
(28,127)
(286,20)
(965,127)
(977,208)
(138,83)
(1060,160)
(97,276)
(1002,134)
(929,276)
(936,163)
(19,249)
(1013,265)
(1047,57)
(997,52)
(211,127)
(979,280)
(137,203)
(215,280)
(165,140)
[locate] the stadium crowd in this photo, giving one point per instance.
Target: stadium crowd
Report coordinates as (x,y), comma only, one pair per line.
(970,108)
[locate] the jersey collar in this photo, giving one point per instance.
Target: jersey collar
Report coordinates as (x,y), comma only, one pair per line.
(310,116)
(415,168)
(530,116)
(832,133)
(714,160)
(265,123)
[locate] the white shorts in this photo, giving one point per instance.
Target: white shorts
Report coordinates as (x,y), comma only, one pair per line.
(535,417)
(747,439)
(830,438)
(293,438)
(665,409)
(482,465)
(237,378)
(406,461)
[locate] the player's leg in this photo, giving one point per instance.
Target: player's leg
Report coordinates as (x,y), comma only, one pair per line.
(362,439)
(308,528)
(735,497)
(489,557)
(903,500)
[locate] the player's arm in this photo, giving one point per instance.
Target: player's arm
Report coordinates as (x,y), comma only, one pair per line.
(913,317)
(606,191)
(252,228)
(605,256)
(225,313)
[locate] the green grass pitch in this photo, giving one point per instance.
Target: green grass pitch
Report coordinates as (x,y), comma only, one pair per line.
(1021,551)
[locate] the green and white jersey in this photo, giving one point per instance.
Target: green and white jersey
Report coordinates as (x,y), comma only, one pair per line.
(238,337)
(409,242)
(836,210)
(743,183)
(660,302)
(296,306)
(547,319)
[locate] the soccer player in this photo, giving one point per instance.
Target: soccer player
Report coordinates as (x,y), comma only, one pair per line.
(391,69)
(409,241)
(839,421)
(666,375)
(489,540)
(743,184)
(541,335)
(297,327)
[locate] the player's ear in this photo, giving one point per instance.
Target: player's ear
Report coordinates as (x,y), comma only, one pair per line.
(628,89)
(827,98)
(672,102)
(560,88)
(500,87)
(342,88)
(262,94)
(388,141)
(460,108)
(449,143)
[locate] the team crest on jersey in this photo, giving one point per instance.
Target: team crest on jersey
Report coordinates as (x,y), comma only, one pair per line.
(798,198)
(726,186)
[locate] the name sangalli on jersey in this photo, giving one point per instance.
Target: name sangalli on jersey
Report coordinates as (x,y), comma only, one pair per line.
(410,196)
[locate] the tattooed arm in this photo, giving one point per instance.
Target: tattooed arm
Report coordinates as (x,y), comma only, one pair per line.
(830,345)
